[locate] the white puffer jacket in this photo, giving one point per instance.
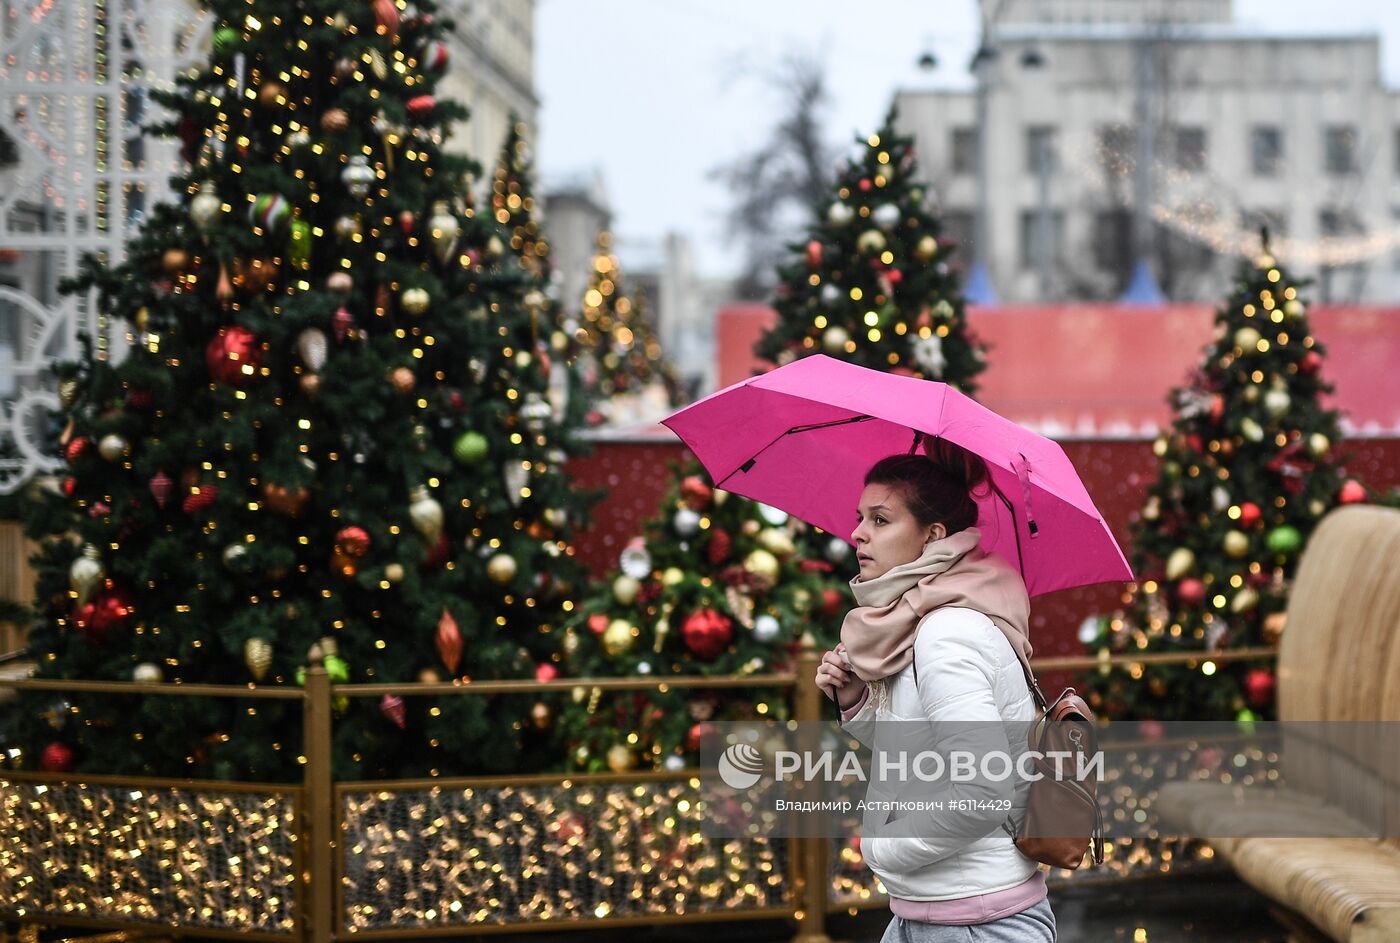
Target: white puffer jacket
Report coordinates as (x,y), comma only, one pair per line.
(966,671)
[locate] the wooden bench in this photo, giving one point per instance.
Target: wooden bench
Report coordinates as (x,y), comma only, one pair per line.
(1339,660)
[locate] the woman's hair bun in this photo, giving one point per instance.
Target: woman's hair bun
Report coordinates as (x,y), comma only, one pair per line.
(967,468)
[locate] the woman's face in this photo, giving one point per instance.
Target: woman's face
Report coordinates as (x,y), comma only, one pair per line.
(886,533)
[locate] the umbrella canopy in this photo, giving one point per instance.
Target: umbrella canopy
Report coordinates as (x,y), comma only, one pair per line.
(802,437)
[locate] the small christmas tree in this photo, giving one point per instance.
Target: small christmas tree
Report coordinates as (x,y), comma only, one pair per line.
(331,426)
(872,283)
(716,587)
(619,356)
(1247,470)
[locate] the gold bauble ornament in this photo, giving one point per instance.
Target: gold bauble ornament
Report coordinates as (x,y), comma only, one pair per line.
(1273,627)
(1181,562)
(426,514)
(1319,445)
(257,655)
(272,93)
(403,379)
(1247,339)
(777,542)
(429,676)
(672,576)
(619,637)
(175,261)
(310,384)
(620,758)
(926,248)
(393,573)
(763,564)
(1245,600)
(1236,544)
(541,716)
(835,339)
(502,568)
(625,590)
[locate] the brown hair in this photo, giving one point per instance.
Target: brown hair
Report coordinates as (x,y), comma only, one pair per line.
(938,485)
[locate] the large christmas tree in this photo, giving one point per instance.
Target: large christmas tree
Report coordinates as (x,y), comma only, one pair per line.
(872,282)
(331,425)
(716,586)
(1247,470)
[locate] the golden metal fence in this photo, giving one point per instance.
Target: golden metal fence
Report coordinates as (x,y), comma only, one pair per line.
(340,861)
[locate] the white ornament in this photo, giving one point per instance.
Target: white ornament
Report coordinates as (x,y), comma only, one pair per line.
(886,216)
(1219,498)
(147,673)
(425,513)
(771,515)
(1277,402)
(535,411)
(928,354)
(674,764)
(445,229)
(205,207)
(766,628)
(516,476)
(1089,630)
(111,447)
(86,573)
(839,214)
(686,522)
(635,559)
(830,294)
(643,667)
(837,550)
(311,345)
(835,339)
(358,176)
(415,301)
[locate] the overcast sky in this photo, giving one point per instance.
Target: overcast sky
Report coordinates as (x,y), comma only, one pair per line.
(655,93)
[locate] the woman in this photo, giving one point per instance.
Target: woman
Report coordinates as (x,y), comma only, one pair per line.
(939,632)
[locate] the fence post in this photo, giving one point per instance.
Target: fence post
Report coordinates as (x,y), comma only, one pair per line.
(318,859)
(811,852)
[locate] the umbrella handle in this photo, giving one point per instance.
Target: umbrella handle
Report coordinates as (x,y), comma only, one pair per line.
(1023,475)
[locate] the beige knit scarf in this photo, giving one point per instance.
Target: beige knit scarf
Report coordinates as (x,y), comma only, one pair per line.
(878,634)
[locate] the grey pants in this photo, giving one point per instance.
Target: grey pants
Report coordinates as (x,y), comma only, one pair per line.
(1033,925)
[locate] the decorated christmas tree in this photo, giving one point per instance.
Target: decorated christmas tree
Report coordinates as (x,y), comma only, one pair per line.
(717,586)
(331,426)
(872,282)
(1247,470)
(619,358)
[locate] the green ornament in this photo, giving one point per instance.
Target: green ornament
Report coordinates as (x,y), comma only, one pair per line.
(470,448)
(338,670)
(299,243)
(1284,540)
(301,677)
(1246,718)
(225,41)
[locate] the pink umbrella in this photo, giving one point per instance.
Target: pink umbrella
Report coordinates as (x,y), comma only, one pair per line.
(802,437)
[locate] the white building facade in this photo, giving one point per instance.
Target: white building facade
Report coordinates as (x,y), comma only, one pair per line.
(1122,130)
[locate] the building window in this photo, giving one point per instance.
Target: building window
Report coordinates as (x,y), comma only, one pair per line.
(964,150)
(960,227)
(1340,148)
(1037,244)
(1265,149)
(1117,143)
(1113,240)
(1040,149)
(1191,149)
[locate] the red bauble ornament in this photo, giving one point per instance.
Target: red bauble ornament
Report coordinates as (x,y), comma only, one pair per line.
(75,448)
(1249,514)
(696,492)
(161,486)
(1310,363)
(449,641)
(420,107)
(353,541)
(1259,686)
(697,734)
(831,602)
(200,499)
(895,276)
(864,185)
(69,486)
(56,758)
(231,351)
(342,322)
(720,545)
(814,254)
(1193,442)
(546,672)
(1353,492)
(1191,592)
(387,18)
(391,706)
(597,623)
(108,610)
(707,633)
(438,555)
(1217,407)
(1151,729)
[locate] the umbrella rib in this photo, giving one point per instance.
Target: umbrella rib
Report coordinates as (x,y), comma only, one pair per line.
(807,428)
